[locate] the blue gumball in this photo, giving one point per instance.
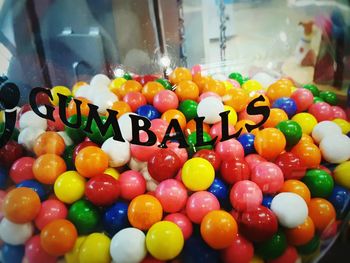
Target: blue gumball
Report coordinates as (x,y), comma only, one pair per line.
(267,201)
(197,251)
(36,186)
(340,198)
(115,218)
(3,178)
(247,141)
(286,104)
(219,189)
(148,111)
(12,254)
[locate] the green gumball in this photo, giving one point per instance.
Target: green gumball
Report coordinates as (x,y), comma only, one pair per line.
(127,76)
(317,100)
(273,247)
(165,83)
(96,135)
(68,157)
(76,134)
(291,130)
(237,76)
(313,88)
(189,109)
(192,140)
(329,97)
(319,182)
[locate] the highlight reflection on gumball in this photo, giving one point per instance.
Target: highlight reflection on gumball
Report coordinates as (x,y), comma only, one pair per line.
(229,150)
(102,190)
(198,174)
(199,204)
(50,210)
(35,253)
(240,251)
(322,213)
(268,176)
(91,161)
(303,99)
(269,143)
(291,166)
(135,100)
(172,195)
(163,164)
(143,153)
(322,111)
(297,187)
(22,170)
(301,234)
(235,170)
(183,222)
(245,196)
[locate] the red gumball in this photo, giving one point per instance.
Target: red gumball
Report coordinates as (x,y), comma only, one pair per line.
(183,222)
(81,146)
(50,210)
(135,100)
(338,113)
(102,190)
(211,156)
(234,171)
(172,195)
(180,152)
(132,184)
(291,166)
(58,124)
(241,251)
(254,159)
(290,255)
(10,152)
(159,127)
(322,111)
(21,170)
(163,164)
(35,253)
(142,152)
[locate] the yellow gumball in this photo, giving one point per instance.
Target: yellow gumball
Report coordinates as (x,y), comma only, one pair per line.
(198,174)
(306,121)
(73,255)
(69,187)
(116,84)
(343,124)
(164,240)
(59,90)
(251,86)
(112,172)
(95,249)
(341,174)
(77,86)
(232,116)
(228,85)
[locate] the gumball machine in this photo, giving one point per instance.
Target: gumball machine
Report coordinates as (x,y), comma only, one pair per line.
(174,131)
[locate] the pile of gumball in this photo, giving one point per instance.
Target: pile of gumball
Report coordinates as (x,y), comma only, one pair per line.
(274,194)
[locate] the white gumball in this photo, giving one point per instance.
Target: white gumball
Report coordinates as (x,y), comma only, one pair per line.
(151,184)
(128,246)
(31,119)
(325,128)
(118,152)
(100,80)
(136,165)
(85,91)
(28,136)
(210,108)
(335,148)
(291,209)
(104,100)
(264,79)
(124,122)
(67,140)
(15,234)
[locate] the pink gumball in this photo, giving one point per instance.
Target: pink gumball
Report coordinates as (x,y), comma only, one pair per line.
(208,94)
(135,100)
(172,194)
(196,69)
(159,126)
(199,204)
(229,150)
(240,251)
(338,113)
(245,196)
(132,184)
(254,159)
(2,197)
(243,115)
(50,210)
(35,253)
(165,100)
(268,176)
(216,130)
(143,153)
(234,82)
(322,111)
(303,99)
(21,170)
(180,152)
(182,222)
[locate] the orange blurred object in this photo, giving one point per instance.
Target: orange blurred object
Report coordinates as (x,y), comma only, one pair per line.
(236,98)
(200,80)
(281,88)
(216,86)
(128,86)
(91,161)
(297,187)
(121,107)
(322,213)
(48,167)
(151,89)
(306,139)
(179,74)
(269,143)
(84,108)
(187,90)
(49,142)
(301,234)
(191,127)
(308,153)
(276,116)
(175,114)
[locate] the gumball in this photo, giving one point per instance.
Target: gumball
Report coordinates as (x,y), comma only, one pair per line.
(132,184)
(115,218)
(243,115)
(91,161)
(196,249)
(329,97)
(291,130)
(57,124)
(258,224)
(306,121)
(84,215)
(199,204)
(35,253)
(290,255)
(336,148)
(216,130)
(95,248)
(15,234)
(182,222)
(135,100)
(163,164)
(340,174)
(103,99)
(236,98)
(180,152)
(81,146)
(69,187)
(306,139)
(215,86)
(148,111)
(319,182)
(50,210)
(218,229)
(297,187)
(269,143)
(165,100)
(27,137)
(164,240)
(21,170)
(99,80)
(290,209)
(278,90)
(49,142)
(191,128)
(219,189)
(267,201)
(276,116)
(151,89)
(197,174)
(240,251)
(323,129)
(165,83)
(290,165)
(314,90)
(72,107)
(343,124)
(128,245)
(268,176)
(273,247)
(251,86)
(235,170)
(121,107)
(144,211)
(286,104)
(12,254)
(322,213)
(3,178)
(159,127)
(303,99)
(73,255)
(310,247)
(230,149)
(127,87)
(172,195)
(338,112)
(36,187)
(210,108)
(187,90)
(175,114)
(340,199)
(245,195)
(189,109)
(236,76)
(179,74)
(210,156)
(192,141)
(102,190)
(301,234)
(254,159)
(9,153)
(318,100)
(77,135)
(141,152)
(31,119)
(322,111)
(208,94)
(118,152)
(309,154)
(48,167)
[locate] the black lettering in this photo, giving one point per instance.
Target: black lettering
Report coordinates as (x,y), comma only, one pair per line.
(199,133)
(225,129)
(63,114)
(253,110)
(136,128)
(179,136)
(32,101)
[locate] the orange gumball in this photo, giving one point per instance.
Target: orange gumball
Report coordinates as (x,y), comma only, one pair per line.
(216,86)
(236,98)
(279,89)
(301,234)
(49,142)
(84,107)
(151,89)
(187,90)
(297,187)
(191,127)
(179,74)
(269,143)
(218,229)
(265,102)
(91,161)
(21,205)
(121,107)
(322,213)
(308,153)
(200,81)
(128,86)
(175,114)
(47,167)
(58,237)
(306,139)
(144,211)
(77,85)
(275,117)
(242,125)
